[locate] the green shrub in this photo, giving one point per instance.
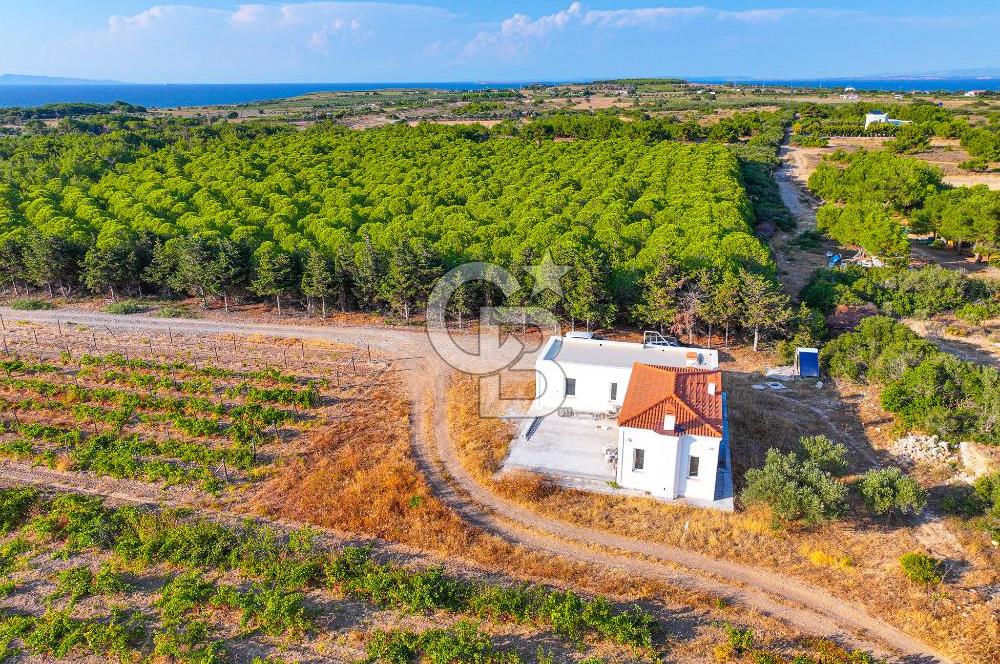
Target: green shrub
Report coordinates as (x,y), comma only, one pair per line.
(888,490)
(81,521)
(57,634)
(183,635)
(15,504)
(271,608)
(828,455)
(739,639)
(353,571)
(795,490)
(461,643)
(175,311)
(32,304)
(921,568)
(976,165)
(126,307)
(977,312)
(79,582)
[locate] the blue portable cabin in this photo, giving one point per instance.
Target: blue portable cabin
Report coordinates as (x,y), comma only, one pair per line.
(807,362)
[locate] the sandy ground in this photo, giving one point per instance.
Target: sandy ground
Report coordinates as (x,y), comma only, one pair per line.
(600,102)
(469,121)
(975,347)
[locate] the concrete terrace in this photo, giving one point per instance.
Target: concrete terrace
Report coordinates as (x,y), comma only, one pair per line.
(569,448)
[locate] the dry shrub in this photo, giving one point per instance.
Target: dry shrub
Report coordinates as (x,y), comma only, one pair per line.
(358,476)
(481,441)
(524,486)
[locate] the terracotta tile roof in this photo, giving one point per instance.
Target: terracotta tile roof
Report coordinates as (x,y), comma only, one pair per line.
(655,391)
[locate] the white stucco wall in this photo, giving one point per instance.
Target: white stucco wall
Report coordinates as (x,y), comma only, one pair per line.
(707,450)
(667,461)
(595,365)
(659,473)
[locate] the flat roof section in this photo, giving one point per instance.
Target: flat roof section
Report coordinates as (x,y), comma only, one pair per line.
(603,353)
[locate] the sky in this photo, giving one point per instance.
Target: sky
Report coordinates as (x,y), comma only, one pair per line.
(220,41)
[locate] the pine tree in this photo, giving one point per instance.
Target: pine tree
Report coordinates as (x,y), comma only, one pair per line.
(317,278)
(725,302)
(368,275)
(690,303)
(230,268)
(765,307)
(274,272)
(410,277)
(192,270)
(51,260)
(111,264)
(659,290)
(587,295)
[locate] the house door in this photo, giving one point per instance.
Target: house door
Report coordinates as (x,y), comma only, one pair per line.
(614,391)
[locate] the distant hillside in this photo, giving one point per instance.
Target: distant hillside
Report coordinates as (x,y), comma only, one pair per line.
(28,79)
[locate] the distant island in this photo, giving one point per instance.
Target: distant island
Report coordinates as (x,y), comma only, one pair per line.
(28,79)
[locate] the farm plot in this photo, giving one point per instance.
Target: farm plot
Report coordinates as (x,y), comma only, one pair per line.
(84,579)
(198,414)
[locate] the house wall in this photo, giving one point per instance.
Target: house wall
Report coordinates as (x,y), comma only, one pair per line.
(593,386)
(707,450)
(659,473)
(667,464)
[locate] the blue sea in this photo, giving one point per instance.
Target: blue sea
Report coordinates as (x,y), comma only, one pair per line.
(888,84)
(183,94)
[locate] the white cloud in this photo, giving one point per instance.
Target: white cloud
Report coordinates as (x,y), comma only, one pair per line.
(516,34)
(518,31)
(319,40)
(255,41)
(628,18)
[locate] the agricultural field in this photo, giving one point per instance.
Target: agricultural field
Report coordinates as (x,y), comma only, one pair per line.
(84,578)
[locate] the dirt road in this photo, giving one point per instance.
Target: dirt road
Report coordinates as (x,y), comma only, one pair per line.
(805,607)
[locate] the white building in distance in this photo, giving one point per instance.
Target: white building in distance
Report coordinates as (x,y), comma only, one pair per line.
(880,117)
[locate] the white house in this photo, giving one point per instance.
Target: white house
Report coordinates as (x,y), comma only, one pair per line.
(672,423)
(673,438)
(880,117)
(591,375)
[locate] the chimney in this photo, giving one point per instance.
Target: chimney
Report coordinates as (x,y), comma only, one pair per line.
(711,389)
(669,422)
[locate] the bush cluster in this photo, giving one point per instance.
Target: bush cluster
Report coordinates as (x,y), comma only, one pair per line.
(566,613)
(926,388)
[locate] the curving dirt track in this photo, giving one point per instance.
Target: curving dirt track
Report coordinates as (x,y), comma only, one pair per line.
(805,607)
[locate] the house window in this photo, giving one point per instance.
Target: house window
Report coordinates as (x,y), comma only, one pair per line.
(638,459)
(614,391)
(693,466)
(571,387)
